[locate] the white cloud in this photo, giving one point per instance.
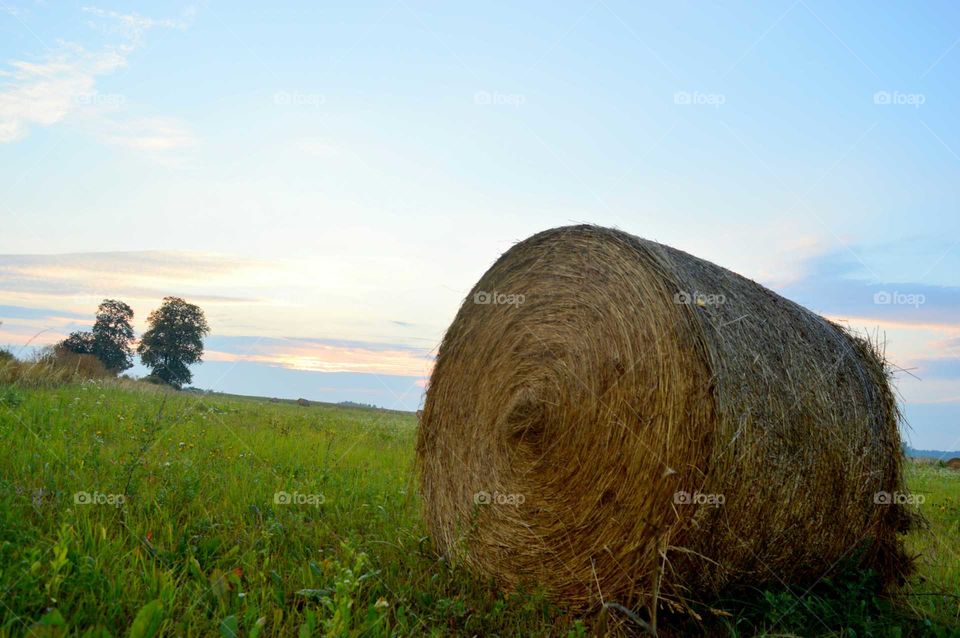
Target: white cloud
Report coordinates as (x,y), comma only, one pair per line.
(63,84)
(12,10)
(158,138)
(152,134)
(45,92)
(317,147)
(132,25)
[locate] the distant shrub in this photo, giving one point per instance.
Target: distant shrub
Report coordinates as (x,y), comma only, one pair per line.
(193,390)
(155,380)
(355,404)
(74,365)
(51,366)
(10,396)
(8,363)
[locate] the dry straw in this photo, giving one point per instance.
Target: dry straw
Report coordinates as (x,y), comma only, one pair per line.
(619,421)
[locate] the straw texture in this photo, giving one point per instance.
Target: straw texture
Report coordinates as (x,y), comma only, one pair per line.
(614,419)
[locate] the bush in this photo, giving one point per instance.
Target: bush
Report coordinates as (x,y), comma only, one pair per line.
(9,396)
(80,366)
(7,363)
(155,380)
(9,367)
(51,366)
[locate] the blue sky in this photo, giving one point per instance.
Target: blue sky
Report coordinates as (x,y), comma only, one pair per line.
(329,182)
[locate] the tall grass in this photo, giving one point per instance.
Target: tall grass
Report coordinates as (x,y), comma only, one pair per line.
(50,367)
(128,510)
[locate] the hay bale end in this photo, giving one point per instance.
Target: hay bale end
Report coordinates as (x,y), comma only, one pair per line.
(615,419)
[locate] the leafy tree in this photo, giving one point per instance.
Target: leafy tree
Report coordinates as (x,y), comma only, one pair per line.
(113,334)
(78,343)
(110,338)
(174,340)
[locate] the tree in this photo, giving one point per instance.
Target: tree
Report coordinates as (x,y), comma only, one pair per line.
(174,340)
(77,343)
(113,334)
(110,338)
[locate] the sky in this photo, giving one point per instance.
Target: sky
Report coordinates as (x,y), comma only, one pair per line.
(328,182)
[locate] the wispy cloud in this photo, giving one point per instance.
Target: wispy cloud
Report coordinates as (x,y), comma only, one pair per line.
(317,147)
(61,84)
(325,355)
(163,140)
(917,323)
(307,357)
(943,368)
(10,9)
(45,92)
(835,283)
(139,275)
(152,135)
(133,26)
(21,312)
(242,295)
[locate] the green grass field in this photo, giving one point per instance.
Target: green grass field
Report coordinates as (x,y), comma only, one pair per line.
(201,546)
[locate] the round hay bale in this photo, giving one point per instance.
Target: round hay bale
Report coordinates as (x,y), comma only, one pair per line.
(954,463)
(614,419)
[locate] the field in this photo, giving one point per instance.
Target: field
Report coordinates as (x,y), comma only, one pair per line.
(127,510)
